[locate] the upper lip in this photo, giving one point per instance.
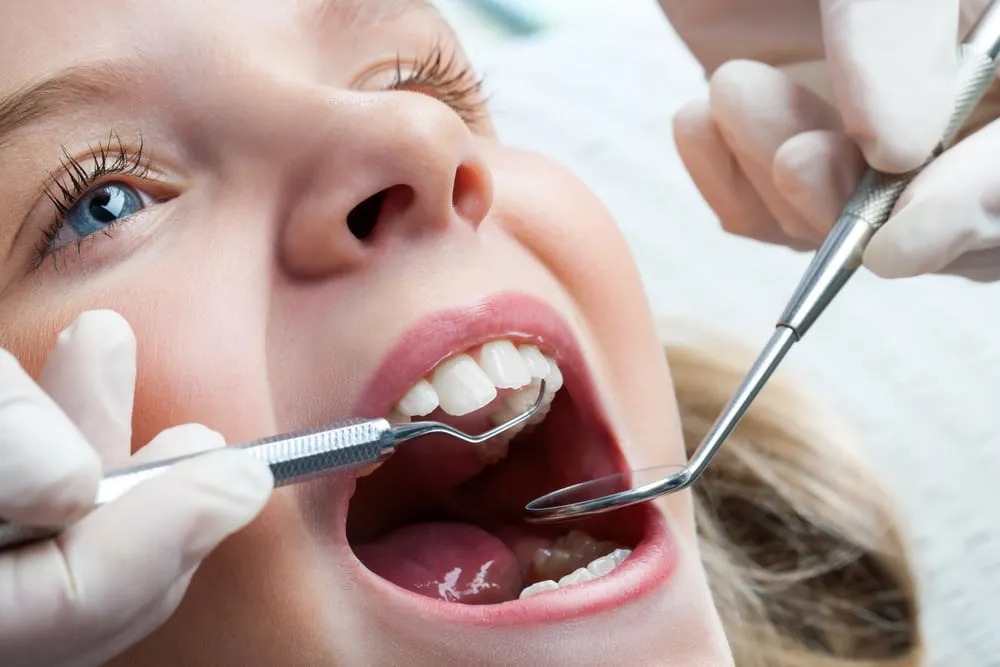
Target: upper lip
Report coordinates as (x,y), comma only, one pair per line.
(430,341)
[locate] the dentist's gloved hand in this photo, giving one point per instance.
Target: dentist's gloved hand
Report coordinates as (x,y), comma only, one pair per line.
(120,571)
(815,89)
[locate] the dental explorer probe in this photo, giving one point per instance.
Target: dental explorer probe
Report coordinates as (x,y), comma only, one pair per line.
(293,458)
(840,255)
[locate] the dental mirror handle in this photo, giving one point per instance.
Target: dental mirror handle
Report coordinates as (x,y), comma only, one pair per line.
(292,457)
(837,259)
(872,202)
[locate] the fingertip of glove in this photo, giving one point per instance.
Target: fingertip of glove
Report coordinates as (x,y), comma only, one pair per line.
(252,475)
(180,441)
(887,259)
(105,327)
(891,151)
(691,123)
(239,484)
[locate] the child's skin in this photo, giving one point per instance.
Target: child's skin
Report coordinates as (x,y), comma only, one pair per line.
(257,311)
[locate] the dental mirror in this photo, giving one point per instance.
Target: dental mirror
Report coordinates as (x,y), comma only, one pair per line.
(607,493)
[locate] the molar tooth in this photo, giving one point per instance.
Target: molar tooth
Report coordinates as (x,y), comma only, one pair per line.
(504,415)
(577,576)
(601,566)
(554,378)
(462,386)
(419,401)
(543,412)
(555,562)
(540,587)
(494,450)
(523,399)
(535,360)
(503,364)
(619,555)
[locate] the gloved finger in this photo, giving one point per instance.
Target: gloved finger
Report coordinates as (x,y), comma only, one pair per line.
(951,208)
(894,71)
(757,109)
(816,172)
(722,183)
(48,471)
(91,375)
(116,572)
(118,639)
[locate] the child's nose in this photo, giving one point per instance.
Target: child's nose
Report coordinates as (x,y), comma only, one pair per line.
(400,166)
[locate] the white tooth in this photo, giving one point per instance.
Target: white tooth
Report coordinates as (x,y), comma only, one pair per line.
(543,412)
(504,415)
(494,450)
(523,399)
(504,366)
(462,386)
(601,566)
(554,379)
(540,587)
(578,576)
(619,555)
(419,401)
(396,417)
(535,361)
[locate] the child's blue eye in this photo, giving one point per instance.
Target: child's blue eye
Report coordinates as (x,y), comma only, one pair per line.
(99,208)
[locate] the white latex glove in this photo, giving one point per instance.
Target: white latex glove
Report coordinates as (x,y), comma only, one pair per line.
(822,87)
(120,571)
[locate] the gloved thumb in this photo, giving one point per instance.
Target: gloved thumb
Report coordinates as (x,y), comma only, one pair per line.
(948,219)
(90,374)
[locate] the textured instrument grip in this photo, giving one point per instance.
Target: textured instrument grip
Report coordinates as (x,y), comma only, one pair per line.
(291,457)
(349,445)
(876,195)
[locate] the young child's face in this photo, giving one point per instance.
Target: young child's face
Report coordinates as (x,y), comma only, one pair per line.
(302,209)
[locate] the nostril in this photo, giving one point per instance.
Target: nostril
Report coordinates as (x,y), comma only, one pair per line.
(472,193)
(363,217)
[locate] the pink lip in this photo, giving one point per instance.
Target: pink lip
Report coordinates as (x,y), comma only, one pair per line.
(649,567)
(511,316)
(443,334)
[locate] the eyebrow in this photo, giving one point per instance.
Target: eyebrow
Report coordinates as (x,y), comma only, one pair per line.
(352,12)
(83,84)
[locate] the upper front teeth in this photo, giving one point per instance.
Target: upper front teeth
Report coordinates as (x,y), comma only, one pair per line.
(504,365)
(420,400)
(461,384)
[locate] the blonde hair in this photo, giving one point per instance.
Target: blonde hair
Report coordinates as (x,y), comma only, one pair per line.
(805,556)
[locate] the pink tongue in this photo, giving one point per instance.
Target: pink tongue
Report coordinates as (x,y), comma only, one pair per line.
(457,562)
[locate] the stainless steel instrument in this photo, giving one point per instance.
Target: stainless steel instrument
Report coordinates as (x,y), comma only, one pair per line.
(840,255)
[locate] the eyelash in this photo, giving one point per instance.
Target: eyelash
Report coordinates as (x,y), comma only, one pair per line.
(111,158)
(453,82)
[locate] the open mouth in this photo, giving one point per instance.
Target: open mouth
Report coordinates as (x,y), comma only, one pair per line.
(442,519)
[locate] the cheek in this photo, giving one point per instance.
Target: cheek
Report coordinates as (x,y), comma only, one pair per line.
(565,225)
(199,314)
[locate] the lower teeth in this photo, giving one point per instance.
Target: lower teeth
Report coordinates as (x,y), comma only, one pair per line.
(573,558)
(597,568)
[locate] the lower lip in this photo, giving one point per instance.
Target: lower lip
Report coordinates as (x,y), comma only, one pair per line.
(646,570)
